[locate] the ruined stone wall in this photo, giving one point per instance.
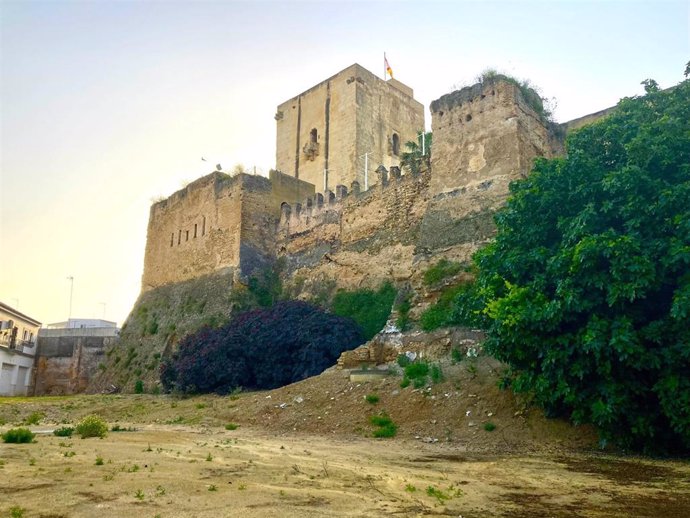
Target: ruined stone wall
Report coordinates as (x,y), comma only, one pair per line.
(67,359)
(194,232)
(333,124)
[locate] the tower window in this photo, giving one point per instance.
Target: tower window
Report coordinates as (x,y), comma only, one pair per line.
(314,135)
(195,227)
(396,144)
(203,226)
(186,235)
(179,237)
(172,238)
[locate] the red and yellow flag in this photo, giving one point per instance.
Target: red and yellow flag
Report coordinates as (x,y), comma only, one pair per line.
(387,66)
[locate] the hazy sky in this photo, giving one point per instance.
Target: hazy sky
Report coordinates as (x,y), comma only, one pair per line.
(108,104)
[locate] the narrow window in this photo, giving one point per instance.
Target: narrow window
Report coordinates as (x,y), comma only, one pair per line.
(179,237)
(186,235)
(203,226)
(195,225)
(314,135)
(172,238)
(396,144)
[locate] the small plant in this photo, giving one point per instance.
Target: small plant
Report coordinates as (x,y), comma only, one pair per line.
(200,406)
(455,355)
(209,457)
(385,426)
(139,494)
(118,428)
(231,426)
(372,399)
(18,435)
(403,360)
(139,387)
(17,512)
(92,426)
(69,454)
(405,382)
(32,462)
(489,427)
(440,271)
(436,373)
(160,491)
(99,461)
(437,494)
(64,431)
(242,487)
(34,418)
(212,488)
(419,383)
(410,488)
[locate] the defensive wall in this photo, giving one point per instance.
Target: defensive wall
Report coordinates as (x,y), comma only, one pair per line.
(67,359)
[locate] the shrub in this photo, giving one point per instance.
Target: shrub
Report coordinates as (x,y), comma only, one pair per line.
(370,309)
(417,370)
(64,431)
(18,435)
(436,373)
(34,418)
(489,427)
(231,426)
(139,387)
(92,426)
(260,349)
(403,360)
(587,286)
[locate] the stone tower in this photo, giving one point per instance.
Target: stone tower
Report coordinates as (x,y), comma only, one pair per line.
(324,133)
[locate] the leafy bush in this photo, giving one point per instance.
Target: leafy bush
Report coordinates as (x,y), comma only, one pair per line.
(64,431)
(441,270)
(92,426)
(403,360)
(370,309)
(440,314)
(489,427)
(260,349)
(139,387)
(18,435)
(231,426)
(33,418)
(587,284)
(372,399)
(416,370)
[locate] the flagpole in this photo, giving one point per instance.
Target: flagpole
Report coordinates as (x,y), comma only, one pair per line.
(384,65)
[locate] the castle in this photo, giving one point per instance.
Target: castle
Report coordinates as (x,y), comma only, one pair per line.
(338,207)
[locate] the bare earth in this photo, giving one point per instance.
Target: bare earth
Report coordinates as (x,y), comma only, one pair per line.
(307,451)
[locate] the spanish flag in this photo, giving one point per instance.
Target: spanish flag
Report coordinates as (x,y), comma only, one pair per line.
(387,66)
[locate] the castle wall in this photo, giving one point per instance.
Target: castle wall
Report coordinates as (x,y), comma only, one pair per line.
(354,112)
(194,232)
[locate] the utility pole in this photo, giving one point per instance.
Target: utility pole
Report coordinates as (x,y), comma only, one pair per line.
(71,291)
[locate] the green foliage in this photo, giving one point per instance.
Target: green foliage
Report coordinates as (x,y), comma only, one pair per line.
(372,399)
(417,157)
(17,512)
(99,461)
(586,288)
(403,360)
(231,426)
(455,355)
(443,312)
(440,271)
(92,426)
(416,370)
(386,428)
(34,418)
(529,92)
(405,382)
(18,435)
(403,308)
(370,309)
(64,431)
(489,427)
(139,387)
(436,374)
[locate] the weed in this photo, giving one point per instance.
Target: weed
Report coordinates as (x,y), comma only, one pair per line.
(69,454)
(160,490)
(489,427)
(242,487)
(32,462)
(436,373)
(139,494)
(231,426)
(200,406)
(417,370)
(419,383)
(92,426)
(99,461)
(139,387)
(437,494)
(410,488)
(17,512)
(108,477)
(64,431)
(133,469)
(209,457)
(441,270)
(34,418)
(386,426)
(212,488)
(148,448)
(403,360)
(18,435)
(455,355)
(118,428)
(405,382)
(372,399)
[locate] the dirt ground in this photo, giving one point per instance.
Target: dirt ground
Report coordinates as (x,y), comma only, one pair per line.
(307,450)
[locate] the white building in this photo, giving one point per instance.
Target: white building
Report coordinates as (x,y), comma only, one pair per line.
(18,334)
(81,323)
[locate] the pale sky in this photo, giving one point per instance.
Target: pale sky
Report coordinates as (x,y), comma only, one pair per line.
(108,104)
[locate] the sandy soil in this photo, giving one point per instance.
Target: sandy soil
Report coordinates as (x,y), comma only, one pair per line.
(307,450)
(182,471)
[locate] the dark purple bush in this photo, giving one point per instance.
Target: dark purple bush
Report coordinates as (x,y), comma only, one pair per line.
(260,349)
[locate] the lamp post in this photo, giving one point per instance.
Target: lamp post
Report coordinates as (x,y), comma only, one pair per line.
(71,291)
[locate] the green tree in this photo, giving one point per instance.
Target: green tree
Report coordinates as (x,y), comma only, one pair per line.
(586,288)
(417,157)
